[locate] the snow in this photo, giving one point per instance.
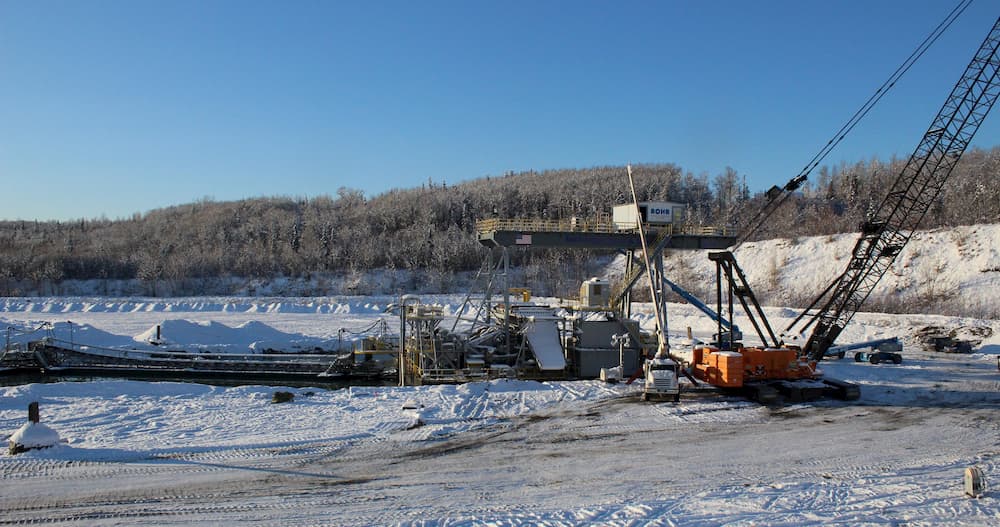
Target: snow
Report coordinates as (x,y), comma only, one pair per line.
(506,452)
(214,336)
(34,435)
(513,452)
(161,418)
(955,270)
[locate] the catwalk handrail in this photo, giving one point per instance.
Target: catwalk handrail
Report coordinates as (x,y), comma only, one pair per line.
(185,356)
(602,226)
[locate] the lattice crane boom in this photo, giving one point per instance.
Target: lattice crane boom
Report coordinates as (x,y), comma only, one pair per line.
(918,185)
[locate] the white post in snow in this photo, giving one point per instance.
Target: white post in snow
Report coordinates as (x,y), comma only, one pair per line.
(975,482)
(33,435)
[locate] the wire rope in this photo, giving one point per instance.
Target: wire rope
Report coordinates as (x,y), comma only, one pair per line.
(765,212)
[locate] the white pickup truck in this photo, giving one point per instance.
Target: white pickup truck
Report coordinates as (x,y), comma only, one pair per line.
(660,374)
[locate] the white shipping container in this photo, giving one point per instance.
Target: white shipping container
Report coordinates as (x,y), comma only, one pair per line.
(654,213)
(595,292)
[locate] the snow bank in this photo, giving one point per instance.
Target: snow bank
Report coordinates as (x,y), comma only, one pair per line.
(32,436)
(250,336)
(948,271)
(178,334)
(305,305)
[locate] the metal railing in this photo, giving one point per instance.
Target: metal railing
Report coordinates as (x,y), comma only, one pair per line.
(452,375)
(599,225)
(540,225)
(177,356)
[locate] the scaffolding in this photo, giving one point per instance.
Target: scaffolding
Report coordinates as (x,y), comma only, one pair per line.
(429,353)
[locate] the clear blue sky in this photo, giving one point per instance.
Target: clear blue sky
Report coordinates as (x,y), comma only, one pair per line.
(110,108)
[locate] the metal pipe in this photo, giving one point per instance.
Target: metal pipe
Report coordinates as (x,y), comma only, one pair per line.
(661,333)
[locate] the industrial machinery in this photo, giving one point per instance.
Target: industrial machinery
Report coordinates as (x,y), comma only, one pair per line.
(761,373)
(878,356)
(879,351)
(916,188)
(764,373)
(729,332)
(661,370)
(660,375)
(891,344)
(542,344)
(882,238)
(527,341)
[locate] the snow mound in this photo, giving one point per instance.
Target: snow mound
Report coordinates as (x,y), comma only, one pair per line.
(33,435)
(68,305)
(249,337)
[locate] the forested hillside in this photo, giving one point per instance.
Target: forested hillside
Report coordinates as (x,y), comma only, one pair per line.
(430,228)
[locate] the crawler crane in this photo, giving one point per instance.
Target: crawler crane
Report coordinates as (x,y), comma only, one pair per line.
(918,185)
(882,238)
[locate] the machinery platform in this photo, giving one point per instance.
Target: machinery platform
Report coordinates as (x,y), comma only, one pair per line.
(576,234)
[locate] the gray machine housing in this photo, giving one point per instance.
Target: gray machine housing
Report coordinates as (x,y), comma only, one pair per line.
(591,348)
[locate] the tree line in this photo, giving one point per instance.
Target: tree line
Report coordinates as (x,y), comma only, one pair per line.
(431,228)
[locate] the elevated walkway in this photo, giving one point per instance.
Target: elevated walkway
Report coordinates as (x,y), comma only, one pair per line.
(594,234)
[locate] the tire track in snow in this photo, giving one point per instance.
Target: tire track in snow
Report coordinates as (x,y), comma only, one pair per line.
(197,468)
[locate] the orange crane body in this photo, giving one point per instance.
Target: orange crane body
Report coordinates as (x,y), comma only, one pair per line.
(733,369)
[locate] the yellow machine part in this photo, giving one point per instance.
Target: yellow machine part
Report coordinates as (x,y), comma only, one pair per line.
(524,292)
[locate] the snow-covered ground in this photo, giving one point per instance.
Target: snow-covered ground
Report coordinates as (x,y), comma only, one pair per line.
(952,271)
(497,453)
